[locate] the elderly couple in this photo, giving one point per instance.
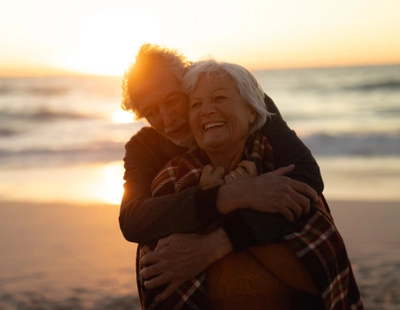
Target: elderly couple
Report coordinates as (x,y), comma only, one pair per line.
(222,197)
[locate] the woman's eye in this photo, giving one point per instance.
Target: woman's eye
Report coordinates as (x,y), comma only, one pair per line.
(173,101)
(219,98)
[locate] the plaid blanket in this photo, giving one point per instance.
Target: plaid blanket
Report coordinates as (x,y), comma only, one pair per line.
(315,239)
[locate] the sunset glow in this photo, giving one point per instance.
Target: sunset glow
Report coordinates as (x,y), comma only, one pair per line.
(105,45)
(110,188)
(122,117)
(50,37)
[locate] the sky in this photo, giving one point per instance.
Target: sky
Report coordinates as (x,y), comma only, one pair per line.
(44,37)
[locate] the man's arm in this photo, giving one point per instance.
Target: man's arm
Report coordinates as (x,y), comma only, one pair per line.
(289,149)
(144,219)
(180,257)
(277,192)
(250,228)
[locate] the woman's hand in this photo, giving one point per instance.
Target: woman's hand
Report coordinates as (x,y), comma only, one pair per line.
(211,177)
(245,169)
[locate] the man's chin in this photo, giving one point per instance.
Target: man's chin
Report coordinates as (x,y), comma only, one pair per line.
(187,141)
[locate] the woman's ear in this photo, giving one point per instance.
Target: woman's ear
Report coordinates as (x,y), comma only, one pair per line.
(252,115)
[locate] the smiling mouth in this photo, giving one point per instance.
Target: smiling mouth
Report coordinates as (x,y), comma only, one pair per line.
(213,125)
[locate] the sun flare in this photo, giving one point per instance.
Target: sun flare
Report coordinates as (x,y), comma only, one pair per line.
(106,47)
(110,188)
(123,117)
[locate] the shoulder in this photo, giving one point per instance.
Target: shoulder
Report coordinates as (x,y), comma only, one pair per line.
(144,151)
(146,135)
(148,139)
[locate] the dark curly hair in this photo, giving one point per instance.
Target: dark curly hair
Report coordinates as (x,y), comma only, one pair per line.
(149,57)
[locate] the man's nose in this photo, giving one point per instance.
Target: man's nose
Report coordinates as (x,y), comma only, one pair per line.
(168,116)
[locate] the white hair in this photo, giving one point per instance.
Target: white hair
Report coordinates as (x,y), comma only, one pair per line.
(250,90)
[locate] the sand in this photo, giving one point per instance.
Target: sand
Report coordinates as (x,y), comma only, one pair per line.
(65,256)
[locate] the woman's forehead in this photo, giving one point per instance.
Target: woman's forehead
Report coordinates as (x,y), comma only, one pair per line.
(213,82)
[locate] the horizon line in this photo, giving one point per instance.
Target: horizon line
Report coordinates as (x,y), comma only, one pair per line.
(57,72)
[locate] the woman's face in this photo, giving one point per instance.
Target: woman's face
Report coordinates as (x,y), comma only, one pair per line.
(219,117)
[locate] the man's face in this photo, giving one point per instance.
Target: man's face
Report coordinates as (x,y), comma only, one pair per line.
(165,107)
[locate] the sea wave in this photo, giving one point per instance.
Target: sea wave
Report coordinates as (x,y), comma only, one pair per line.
(385,85)
(321,144)
(23,87)
(346,87)
(354,144)
(41,114)
(6,132)
(96,152)
(59,86)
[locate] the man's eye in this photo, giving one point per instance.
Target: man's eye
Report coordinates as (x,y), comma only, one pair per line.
(150,113)
(174,100)
(194,104)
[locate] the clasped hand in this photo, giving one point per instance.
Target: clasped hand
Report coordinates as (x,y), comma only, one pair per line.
(179,257)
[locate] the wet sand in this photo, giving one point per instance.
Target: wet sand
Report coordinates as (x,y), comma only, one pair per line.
(64,256)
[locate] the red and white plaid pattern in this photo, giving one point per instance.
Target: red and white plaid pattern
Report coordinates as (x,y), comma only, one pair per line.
(315,240)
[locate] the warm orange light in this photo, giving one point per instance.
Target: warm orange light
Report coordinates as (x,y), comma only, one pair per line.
(108,43)
(110,187)
(123,117)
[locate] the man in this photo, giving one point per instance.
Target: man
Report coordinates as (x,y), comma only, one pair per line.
(152,90)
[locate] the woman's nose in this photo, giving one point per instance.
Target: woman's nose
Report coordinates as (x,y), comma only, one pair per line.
(207,108)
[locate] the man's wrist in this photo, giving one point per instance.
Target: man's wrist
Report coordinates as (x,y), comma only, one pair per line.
(231,197)
(239,233)
(205,205)
(219,241)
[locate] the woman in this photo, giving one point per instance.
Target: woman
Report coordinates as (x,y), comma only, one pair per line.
(310,268)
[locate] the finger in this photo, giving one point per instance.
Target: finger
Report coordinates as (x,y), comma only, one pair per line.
(249,166)
(228,179)
(160,244)
(295,208)
(235,175)
(283,170)
(302,201)
(208,169)
(148,259)
(150,271)
(288,214)
(157,281)
(242,172)
(219,171)
(172,287)
(305,190)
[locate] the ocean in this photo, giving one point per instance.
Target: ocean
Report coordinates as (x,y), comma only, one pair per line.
(61,148)
(54,127)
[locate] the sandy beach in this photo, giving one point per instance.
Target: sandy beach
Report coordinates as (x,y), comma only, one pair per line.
(65,256)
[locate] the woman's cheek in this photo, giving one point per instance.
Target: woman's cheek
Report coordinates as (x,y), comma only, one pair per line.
(194,123)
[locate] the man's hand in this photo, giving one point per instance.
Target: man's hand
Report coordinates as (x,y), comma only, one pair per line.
(180,257)
(269,192)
